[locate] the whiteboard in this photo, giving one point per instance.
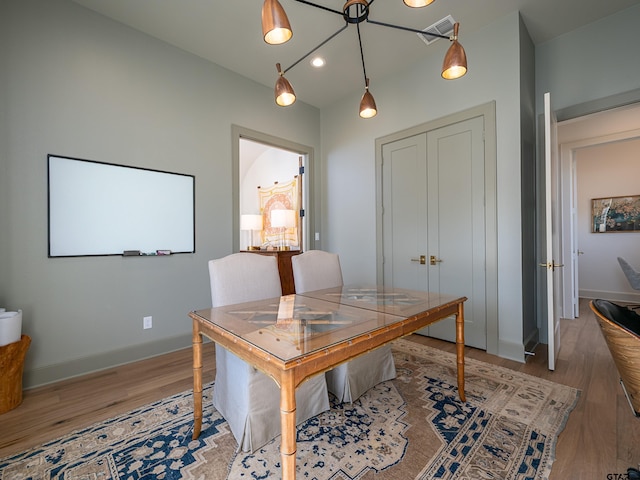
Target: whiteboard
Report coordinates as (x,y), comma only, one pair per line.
(98,208)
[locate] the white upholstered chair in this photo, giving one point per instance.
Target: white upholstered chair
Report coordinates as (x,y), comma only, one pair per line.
(248,399)
(316,270)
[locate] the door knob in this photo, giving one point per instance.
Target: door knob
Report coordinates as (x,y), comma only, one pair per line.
(551,265)
(422,259)
(433,260)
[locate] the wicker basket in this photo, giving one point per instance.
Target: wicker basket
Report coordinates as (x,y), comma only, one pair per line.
(11,367)
(625,350)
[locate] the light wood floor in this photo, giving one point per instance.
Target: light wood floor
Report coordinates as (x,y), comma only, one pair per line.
(601,437)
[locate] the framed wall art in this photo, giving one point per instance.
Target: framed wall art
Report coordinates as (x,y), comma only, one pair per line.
(281,196)
(615,214)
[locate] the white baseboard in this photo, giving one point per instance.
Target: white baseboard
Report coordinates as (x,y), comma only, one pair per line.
(611,296)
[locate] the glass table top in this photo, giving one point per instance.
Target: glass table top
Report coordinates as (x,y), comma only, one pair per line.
(394,301)
(295,325)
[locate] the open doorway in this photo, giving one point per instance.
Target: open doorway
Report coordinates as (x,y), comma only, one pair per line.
(270,174)
(599,134)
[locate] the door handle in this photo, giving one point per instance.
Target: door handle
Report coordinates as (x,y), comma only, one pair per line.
(422,259)
(551,265)
(433,260)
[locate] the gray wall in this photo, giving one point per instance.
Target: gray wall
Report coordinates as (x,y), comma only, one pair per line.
(588,70)
(410,98)
(593,62)
(74,83)
(528,181)
(581,66)
(77,84)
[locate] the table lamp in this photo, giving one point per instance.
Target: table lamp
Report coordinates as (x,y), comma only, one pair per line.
(283,219)
(251,223)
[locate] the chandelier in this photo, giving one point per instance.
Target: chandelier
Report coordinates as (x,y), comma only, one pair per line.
(276,30)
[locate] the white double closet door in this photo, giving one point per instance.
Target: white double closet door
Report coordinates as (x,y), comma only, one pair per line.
(433,220)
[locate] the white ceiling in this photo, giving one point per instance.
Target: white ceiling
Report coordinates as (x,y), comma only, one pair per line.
(229,33)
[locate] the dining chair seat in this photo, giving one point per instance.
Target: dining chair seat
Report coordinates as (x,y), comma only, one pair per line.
(317,270)
(248,399)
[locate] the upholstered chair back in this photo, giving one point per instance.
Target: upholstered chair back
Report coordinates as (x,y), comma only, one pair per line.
(316,270)
(248,399)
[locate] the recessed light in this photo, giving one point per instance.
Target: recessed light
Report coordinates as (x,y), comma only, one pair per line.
(318,62)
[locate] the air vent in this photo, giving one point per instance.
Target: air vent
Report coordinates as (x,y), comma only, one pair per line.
(441,27)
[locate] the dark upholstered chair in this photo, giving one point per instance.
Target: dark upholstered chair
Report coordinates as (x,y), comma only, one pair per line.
(621,329)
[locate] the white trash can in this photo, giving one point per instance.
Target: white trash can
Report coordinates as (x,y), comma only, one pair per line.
(10,327)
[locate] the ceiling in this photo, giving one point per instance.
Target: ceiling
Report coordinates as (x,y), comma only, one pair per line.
(229,33)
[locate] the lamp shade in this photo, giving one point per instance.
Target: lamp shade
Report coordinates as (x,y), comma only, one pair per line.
(368,107)
(284,93)
(417,3)
(283,218)
(251,222)
(455,60)
(276,28)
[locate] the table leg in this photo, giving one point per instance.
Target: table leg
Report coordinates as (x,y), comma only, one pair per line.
(288,426)
(197,381)
(460,350)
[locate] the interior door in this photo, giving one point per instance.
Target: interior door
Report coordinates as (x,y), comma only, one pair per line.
(567,210)
(551,232)
(405,212)
(575,252)
(434,220)
(456,224)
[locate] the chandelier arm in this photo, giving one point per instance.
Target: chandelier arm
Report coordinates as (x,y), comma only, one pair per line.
(315,48)
(321,7)
(408,29)
(364,70)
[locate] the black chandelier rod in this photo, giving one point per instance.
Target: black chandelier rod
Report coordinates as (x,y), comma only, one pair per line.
(315,48)
(322,7)
(407,29)
(384,24)
(364,71)
(342,14)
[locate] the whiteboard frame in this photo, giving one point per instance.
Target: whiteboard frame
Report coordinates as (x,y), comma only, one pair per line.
(102,209)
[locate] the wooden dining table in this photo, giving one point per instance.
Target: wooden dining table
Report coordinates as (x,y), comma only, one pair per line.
(294,337)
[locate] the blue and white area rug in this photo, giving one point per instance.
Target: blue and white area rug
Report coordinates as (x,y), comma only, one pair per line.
(412,427)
